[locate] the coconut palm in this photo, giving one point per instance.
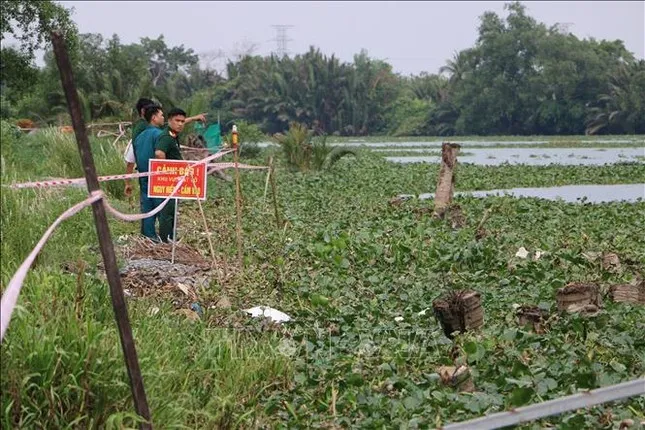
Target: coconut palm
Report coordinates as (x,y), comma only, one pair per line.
(623,107)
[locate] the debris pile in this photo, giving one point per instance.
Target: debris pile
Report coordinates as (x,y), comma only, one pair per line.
(148,271)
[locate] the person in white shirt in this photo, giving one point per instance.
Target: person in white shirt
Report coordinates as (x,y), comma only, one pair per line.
(130,162)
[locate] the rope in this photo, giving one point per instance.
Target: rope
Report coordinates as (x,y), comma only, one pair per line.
(60,182)
(10,296)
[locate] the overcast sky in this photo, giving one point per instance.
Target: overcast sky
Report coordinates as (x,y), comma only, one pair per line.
(412,36)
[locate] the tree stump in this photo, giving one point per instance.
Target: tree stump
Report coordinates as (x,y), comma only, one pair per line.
(446,182)
(533,317)
(628,293)
(459,311)
(457,377)
(577,297)
(610,262)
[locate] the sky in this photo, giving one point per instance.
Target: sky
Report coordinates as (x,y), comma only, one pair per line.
(412,36)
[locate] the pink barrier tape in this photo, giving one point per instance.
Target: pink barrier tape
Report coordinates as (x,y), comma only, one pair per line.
(222,166)
(10,295)
(137,217)
(64,182)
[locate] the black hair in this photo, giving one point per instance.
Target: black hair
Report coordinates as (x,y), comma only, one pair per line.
(176,112)
(142,103)
(150,111)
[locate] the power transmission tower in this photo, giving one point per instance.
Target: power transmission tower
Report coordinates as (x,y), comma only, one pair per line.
(281,39)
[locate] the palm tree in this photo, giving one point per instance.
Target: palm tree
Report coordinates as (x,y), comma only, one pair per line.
(622,109)
(457,67)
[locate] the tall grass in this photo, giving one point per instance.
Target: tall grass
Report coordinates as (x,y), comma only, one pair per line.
(62,364)
(61,360)
(52,154)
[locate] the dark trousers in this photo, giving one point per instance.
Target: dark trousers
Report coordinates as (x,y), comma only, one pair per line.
(148,204)
(167,220)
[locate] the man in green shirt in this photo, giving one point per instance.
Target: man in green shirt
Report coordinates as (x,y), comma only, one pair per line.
(137,128)
(140,125)
(144,150)
(167,148)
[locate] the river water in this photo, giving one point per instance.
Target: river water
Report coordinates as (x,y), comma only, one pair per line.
(567,193)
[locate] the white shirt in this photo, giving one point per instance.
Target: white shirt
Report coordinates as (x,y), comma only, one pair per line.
(128,156)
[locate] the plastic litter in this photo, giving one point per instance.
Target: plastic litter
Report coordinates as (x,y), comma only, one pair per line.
(265,311)
(522,253)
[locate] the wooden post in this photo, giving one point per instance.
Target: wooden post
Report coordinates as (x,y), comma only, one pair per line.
(103,232)
(174,232)
(446,182)
(238,208)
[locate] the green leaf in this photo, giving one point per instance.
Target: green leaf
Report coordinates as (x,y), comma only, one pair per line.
(509,334)
(355,379)
(470,348)
(411,402)
(521,396)
(618,367)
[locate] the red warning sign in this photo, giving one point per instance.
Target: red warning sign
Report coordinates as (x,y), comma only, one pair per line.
(161,186)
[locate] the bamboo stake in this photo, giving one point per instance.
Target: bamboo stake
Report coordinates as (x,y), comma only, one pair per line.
(273,191)
(238,208)
(266,183)
(208,233)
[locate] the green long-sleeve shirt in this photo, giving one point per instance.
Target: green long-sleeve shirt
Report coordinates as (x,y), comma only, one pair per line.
(168,142)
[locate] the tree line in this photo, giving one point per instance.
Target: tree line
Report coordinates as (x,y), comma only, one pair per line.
(520,78)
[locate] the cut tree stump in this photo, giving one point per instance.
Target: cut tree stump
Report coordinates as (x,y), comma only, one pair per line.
(576,297)
(532,316)
(459,311)
(628,293)
(457,377)
(446,182)
(610,262)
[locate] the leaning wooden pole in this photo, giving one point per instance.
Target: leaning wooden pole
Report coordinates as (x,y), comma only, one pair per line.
(446,182)
(103,232)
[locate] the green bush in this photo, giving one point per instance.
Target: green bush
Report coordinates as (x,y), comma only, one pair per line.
(303,151)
